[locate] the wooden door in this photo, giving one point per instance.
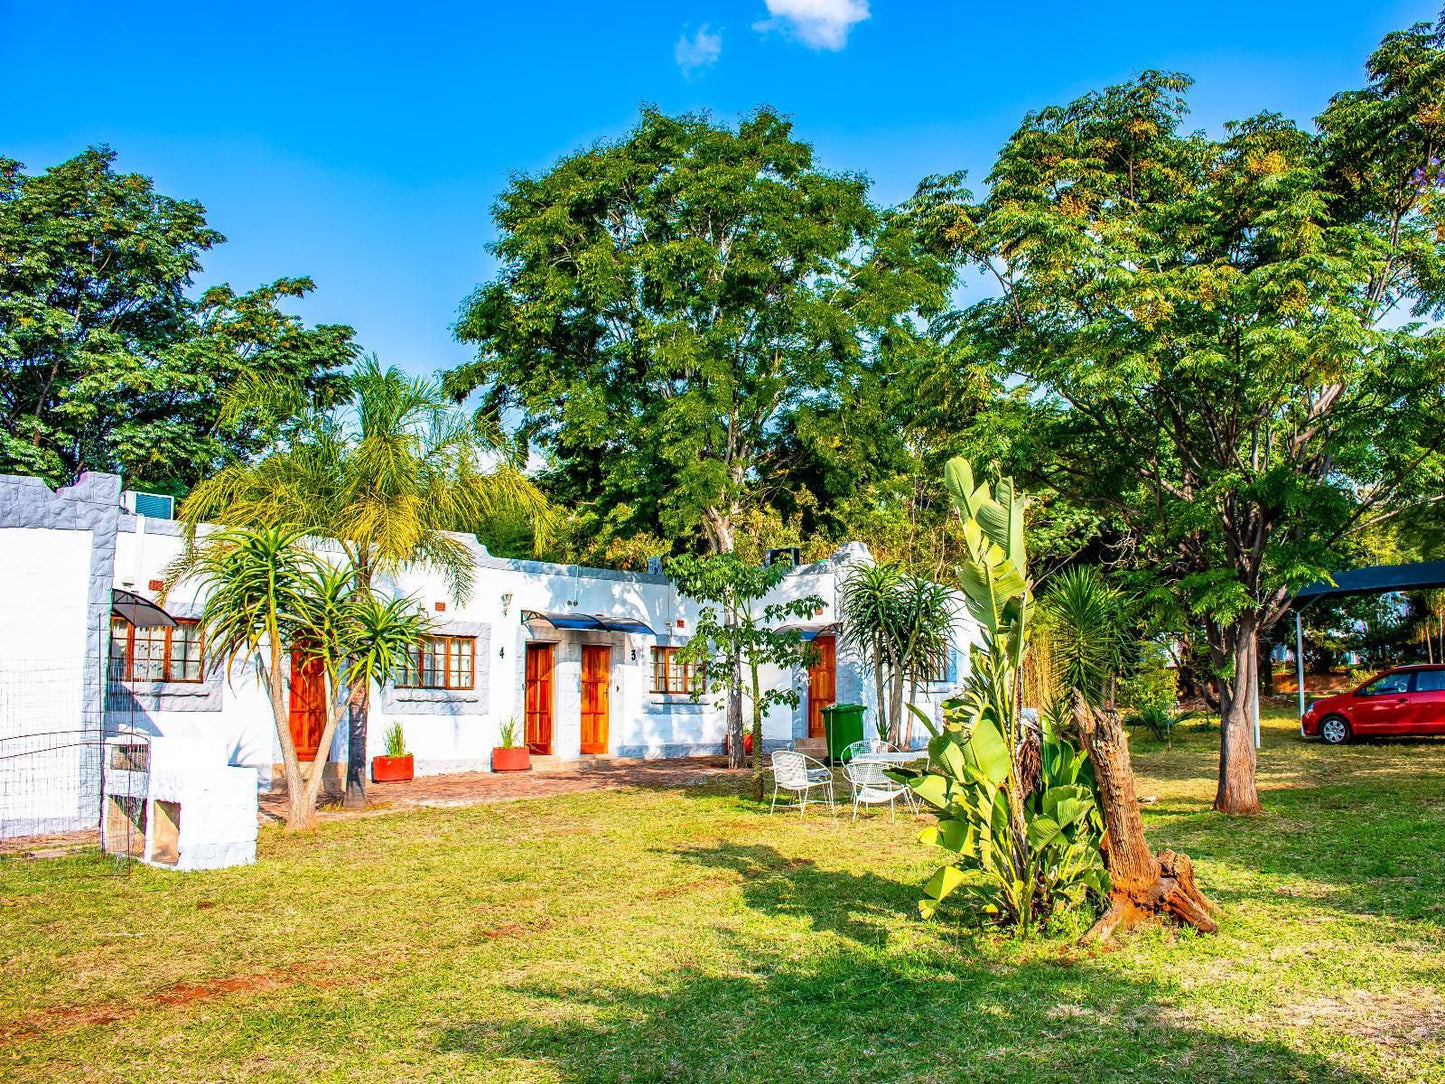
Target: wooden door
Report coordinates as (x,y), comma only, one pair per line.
(596,678)
(539,697)
(308,704)
(822,682)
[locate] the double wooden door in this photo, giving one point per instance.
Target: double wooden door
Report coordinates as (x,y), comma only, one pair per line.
(540,658)
(596,680)
(308,704)
(822,682)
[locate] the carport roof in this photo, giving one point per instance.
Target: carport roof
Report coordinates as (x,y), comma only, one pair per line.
(1376,579)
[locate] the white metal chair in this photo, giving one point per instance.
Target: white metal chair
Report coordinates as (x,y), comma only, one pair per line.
(871,786)
(867,745)
(799,774)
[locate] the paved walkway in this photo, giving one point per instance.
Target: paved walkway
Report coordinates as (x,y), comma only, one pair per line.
(481,788)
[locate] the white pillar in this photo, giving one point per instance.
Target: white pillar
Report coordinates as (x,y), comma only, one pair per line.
(1299,663)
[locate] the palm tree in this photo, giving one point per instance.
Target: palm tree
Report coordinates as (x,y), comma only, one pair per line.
(1083,613)
(389,475)
(899,623)
(268,598)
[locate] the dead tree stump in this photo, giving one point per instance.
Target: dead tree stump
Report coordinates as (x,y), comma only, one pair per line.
(1144,884)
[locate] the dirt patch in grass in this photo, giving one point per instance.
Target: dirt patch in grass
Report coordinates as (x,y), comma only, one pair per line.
(177,995)
(1398,1019)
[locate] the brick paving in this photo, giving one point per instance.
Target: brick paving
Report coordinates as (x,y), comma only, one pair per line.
(483,788)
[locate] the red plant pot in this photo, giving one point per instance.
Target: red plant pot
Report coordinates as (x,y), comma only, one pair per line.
(392,769)
(747,743)
(511,760)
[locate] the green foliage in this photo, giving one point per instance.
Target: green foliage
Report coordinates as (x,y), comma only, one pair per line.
(395,741)
(901,626)
(733,636)
(1157,718)
(1152,683)
(1016,871)
(269,598)
(107,363)
(1084,615)
(1021,847)
(676,314)
(1222,343)
(389,475)
(507,734)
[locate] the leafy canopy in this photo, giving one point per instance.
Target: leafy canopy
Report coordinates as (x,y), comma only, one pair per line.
(107,362)
(674,311)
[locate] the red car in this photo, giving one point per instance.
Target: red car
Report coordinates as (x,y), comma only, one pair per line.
(1405,700)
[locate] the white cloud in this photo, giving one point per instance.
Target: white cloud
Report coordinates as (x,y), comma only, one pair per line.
(819,24)
(699,51)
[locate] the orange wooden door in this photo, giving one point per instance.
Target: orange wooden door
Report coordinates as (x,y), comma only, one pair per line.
(539,697)
(596,677)
(308,704)
(822,682)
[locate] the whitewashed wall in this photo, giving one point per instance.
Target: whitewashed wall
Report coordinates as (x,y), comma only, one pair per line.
(54,571)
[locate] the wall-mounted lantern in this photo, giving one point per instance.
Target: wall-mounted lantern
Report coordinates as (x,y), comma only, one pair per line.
(506,602)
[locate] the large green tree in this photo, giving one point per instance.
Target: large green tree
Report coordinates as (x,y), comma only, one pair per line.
(677,311)
(107,360)
(1219,336)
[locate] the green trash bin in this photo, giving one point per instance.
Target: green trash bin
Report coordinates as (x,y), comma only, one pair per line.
(843,725)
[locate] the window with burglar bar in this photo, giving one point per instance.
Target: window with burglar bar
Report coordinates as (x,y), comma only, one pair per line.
(672,674)
(157,652)
(441,662)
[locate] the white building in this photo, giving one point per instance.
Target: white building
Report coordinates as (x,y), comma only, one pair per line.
(582,658)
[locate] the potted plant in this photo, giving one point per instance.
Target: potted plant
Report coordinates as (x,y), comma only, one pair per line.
(397,765)
(509,755)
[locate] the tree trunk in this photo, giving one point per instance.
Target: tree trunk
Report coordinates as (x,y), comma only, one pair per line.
(757,733)
(1239,697)
(895,706)
(357,716)
(356,722)
(300,814)
(737,758)
(1143,884)
(718,526)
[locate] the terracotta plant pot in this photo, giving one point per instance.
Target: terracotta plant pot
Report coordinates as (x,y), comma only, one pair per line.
(392,769)
(516,759)
(747,743)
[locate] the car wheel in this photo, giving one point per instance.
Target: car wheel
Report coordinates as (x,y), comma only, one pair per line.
(1334,730)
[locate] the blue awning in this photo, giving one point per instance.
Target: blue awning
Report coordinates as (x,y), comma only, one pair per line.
(590,622)
(812,631)
(1377,579)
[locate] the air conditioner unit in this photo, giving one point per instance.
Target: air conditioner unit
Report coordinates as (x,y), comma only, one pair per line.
(150,505)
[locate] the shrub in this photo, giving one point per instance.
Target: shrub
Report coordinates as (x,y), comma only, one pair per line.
(1152,684)
(395,742)
(507,734)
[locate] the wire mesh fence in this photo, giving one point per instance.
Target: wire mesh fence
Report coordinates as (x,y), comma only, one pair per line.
(73,770)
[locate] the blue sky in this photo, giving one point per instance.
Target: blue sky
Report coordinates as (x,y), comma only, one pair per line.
(363,144)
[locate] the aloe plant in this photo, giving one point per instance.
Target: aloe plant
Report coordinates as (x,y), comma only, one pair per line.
(1023,838)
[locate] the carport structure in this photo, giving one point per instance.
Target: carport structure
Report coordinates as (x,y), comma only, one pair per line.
(1374,580)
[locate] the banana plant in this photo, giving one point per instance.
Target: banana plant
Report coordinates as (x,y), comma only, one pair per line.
(1019,848)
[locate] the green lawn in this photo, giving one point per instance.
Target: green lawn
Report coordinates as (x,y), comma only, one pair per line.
(683,935)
